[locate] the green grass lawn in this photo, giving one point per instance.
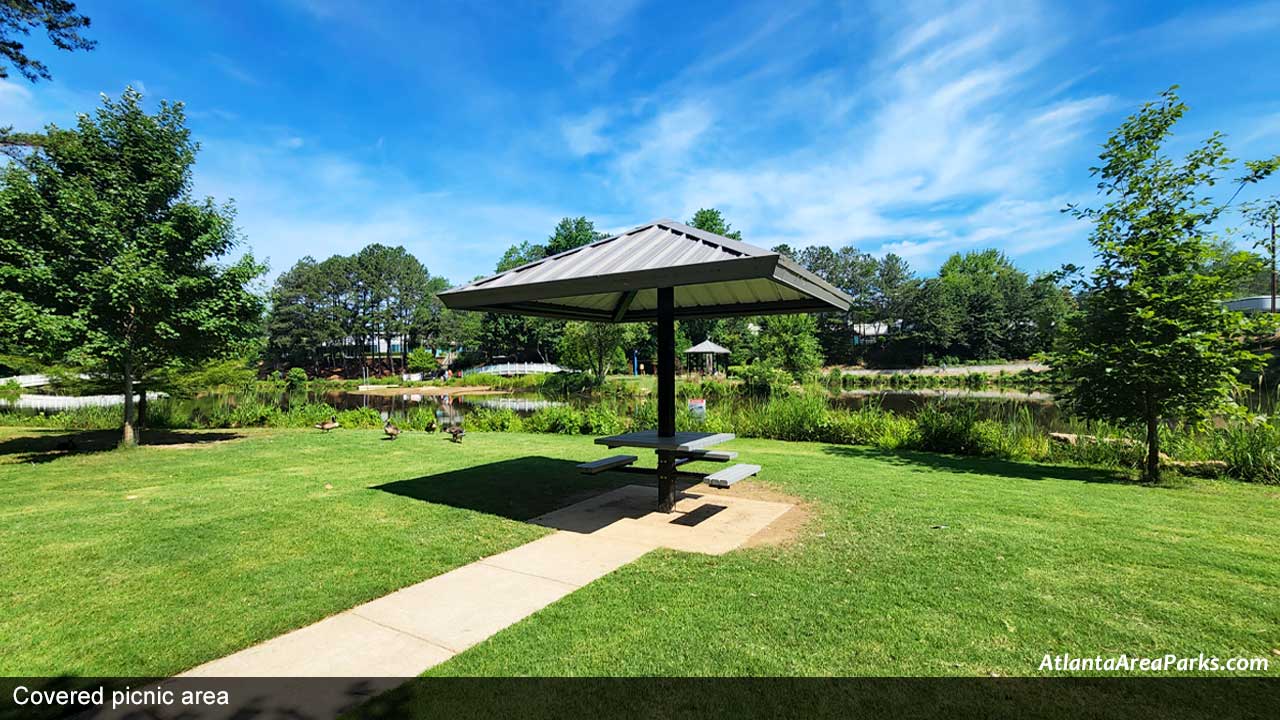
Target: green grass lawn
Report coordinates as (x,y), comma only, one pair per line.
(151,561)
(911,564)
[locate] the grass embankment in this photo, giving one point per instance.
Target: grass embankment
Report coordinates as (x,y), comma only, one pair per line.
(151,561)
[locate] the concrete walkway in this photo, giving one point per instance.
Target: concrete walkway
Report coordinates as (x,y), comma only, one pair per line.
(409,631)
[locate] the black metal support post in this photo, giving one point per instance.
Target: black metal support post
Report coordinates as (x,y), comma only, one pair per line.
(666,395)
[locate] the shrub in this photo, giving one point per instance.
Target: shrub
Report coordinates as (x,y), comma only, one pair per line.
(296,378)
(1251,451)
(494,420)
(764,379)
(365,417)
(421,360)
(421,418)
(955,430)
(559,419)
(871,425)
(600,420)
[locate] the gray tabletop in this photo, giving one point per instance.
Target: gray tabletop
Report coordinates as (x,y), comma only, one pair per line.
(678,442)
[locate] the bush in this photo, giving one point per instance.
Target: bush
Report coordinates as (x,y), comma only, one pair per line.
(956,430)
(1251,451)
(296,379)
(421,360)
(365,417)
(559,419)
(764,379)
(600,420)
(494,420)
(871,425)
(421,418)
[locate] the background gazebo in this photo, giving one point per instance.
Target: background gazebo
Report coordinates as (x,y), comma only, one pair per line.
(709,350)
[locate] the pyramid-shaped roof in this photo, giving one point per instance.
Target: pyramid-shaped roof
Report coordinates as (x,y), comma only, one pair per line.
(616,280)
(706,346)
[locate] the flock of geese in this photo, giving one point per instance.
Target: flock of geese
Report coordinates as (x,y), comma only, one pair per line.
(455,431)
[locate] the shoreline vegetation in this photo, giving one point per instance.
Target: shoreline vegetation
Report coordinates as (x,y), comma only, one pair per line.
(754,407)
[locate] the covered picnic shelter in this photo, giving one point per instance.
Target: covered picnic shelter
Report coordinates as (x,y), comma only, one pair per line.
(658,272)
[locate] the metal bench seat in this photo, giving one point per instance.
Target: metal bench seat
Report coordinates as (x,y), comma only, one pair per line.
(612,462)
(732,474)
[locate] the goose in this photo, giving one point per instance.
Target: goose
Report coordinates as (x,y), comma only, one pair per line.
(329,424)
(391,430)
(455,433)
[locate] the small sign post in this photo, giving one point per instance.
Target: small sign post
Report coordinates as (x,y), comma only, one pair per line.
(698,407)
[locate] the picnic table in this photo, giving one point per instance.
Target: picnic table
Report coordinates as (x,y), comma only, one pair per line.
(673,451)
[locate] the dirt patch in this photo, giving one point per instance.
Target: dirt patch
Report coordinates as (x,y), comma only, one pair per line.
(786,529)
(429,390)
(783,531)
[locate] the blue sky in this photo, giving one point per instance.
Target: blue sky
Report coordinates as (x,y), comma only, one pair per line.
(459,128)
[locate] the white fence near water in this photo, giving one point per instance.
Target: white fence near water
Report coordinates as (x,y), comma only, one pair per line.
(517,404)
(515,369)
(58,403)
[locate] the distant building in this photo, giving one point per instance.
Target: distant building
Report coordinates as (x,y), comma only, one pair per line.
(867,333)
(1255,304)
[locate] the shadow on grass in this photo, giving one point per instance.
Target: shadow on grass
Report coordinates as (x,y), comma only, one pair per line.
(984,466)
(519,489)
(49,445)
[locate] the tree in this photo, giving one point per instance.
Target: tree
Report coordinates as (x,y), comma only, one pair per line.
(852,272)
(571,233)
(791,342)
(60,22)
(381,293)
(107,259)
(710,220)
(599,347)
(992,298)
(1264,215)
(1152,342)
(568,234)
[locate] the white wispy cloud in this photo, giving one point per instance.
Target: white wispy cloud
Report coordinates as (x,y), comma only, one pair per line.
(583,134)
(942,143)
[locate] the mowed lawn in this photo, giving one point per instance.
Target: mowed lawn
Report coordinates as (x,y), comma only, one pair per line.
(152,561)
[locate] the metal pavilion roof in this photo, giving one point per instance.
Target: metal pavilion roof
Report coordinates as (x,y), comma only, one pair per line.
(706,346)
(615,280)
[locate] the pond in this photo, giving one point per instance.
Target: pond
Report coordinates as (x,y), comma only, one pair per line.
(453,408)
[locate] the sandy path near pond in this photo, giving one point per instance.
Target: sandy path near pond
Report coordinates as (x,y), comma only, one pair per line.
(429,390)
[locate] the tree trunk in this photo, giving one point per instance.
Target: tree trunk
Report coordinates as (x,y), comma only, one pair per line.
(1273,268)
(1152,470)
(142,405)
(128,437)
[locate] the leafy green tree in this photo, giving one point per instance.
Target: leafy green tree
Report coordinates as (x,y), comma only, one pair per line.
(106,258)
(710,220)
(598,347)
(932,322)
(853,272)
(1152,342)
(993,300)
(59,20)
(791,342)
(1051,304)
(379,294)
(571,233)
(1264,216)
(421,360)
